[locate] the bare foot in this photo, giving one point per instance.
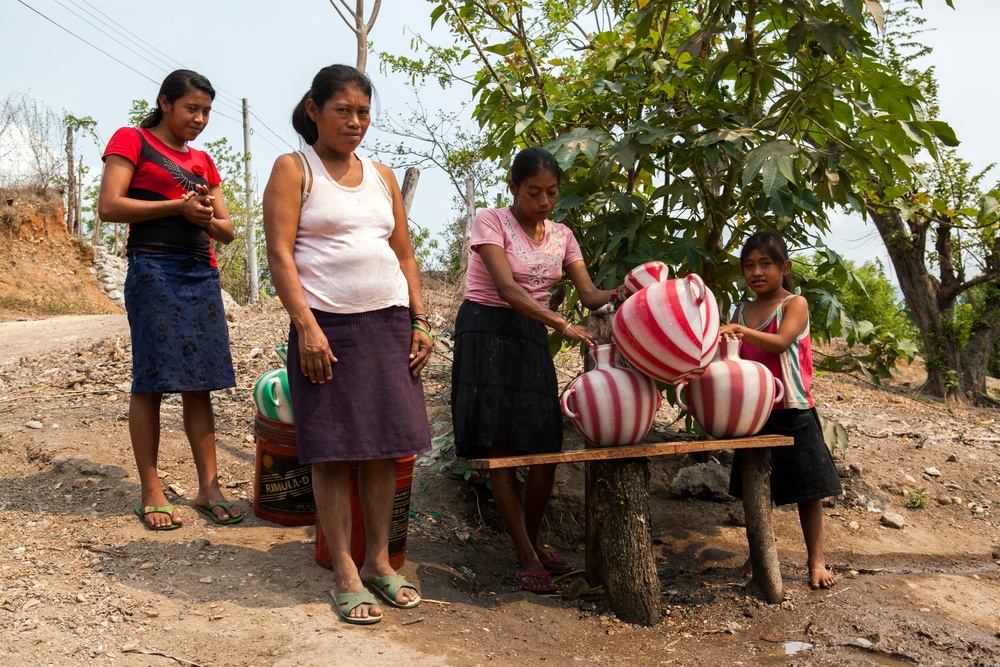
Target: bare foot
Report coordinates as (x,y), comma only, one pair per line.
(820,577)
(745,571)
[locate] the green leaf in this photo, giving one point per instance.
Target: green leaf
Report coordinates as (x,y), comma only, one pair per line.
(944,132)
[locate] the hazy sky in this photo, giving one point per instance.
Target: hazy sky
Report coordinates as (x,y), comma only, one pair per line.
(269,51)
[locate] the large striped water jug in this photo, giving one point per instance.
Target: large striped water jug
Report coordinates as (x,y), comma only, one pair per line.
(669,330)
(611,404)
(733,397)
(644,275)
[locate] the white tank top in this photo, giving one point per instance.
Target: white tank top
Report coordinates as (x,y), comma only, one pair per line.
(342,248)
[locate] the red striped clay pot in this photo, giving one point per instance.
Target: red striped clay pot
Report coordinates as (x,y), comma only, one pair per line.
(611,405)
(733,397)
(669,330)
(644,275)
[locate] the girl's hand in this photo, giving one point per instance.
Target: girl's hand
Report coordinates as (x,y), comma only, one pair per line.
(196,206)
(421,347)
(731,331)
(316,357)
(580,333)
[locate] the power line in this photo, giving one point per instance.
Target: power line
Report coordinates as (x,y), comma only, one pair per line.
(280,138)
(139,41)
(124,64)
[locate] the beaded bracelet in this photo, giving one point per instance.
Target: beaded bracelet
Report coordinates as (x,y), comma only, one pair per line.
(429,334)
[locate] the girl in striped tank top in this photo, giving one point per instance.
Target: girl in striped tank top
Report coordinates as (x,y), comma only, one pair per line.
(774,328)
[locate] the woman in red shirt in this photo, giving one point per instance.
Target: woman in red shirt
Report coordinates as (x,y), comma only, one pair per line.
(169,195)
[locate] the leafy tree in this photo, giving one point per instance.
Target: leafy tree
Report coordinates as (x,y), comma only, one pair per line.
(940,228)
(685,125)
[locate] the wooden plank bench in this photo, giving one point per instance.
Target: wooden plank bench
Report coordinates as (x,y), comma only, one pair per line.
(619,552)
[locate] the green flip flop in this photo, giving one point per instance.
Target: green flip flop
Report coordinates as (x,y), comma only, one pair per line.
(346,602)
(206,509)
(141,512)
(387,588)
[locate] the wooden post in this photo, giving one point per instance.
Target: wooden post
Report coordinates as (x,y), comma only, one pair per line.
(594,573)
(760,535)
(409,189)
(622,512)
(251,221)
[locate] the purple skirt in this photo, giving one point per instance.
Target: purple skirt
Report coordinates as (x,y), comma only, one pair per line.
(373,408)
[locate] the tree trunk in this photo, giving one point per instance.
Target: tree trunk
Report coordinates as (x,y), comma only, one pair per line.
(760,536)
(621,510)
(955,370)
(409,189)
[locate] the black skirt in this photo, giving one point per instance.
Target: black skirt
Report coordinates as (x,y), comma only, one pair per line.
(180,339)
(504,391)
(373,408)
(805,471)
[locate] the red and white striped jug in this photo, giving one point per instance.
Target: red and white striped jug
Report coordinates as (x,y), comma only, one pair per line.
(733,397)
(611,404)
(669,330)
(644,275)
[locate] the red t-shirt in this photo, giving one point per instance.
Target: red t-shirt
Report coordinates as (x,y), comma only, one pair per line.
(162,173)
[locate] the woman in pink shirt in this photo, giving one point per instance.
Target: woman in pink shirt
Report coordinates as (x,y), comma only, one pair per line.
(504,395)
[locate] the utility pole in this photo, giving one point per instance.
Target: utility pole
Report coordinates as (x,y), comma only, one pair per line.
(78,219)
(251,222)
(470,216)
(70,180)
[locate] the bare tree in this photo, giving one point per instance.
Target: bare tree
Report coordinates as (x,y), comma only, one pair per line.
(358,25)
(31,142)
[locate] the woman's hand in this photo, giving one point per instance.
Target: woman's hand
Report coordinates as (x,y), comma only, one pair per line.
(196,206)
(580,333)
(421,347)
(316,357)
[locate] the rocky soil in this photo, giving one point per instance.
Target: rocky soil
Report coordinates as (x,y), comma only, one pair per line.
(914,542)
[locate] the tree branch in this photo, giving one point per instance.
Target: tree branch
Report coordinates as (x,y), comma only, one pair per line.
(343,18)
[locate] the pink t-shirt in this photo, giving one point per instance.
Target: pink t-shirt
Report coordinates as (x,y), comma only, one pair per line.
(536,266)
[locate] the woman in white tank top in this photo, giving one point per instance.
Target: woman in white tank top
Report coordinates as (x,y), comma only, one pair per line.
(340,256)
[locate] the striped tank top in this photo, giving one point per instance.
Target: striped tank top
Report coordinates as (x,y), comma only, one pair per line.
(793,367)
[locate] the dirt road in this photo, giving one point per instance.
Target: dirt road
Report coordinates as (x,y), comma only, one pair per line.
(33,337)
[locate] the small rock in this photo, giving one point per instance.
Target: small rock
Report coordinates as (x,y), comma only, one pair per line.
(857,468)
(205,580)
(893,520)
(576,589)
(736,516)
(843,470)
(952,458)
(176,489)
(33,424)
(932,472)
(909,479)
(854,525)
(944,500)
(256,352)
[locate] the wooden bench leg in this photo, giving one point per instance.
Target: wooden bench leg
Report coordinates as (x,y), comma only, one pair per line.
(621,515)
(760,535)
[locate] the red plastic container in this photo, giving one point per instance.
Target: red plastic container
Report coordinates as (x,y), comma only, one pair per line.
(283,490)
(397,529)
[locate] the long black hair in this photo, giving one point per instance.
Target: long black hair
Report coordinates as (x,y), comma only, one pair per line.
(531,162)
(329,81)
(177,84)
(771,245)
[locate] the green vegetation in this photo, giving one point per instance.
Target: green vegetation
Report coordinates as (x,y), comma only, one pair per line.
(918,500)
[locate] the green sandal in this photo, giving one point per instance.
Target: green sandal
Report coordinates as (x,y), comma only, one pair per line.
(345,603)
(141,512)
(206,509)
(388,587)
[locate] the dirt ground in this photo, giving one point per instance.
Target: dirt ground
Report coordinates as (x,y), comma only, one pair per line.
(82,582)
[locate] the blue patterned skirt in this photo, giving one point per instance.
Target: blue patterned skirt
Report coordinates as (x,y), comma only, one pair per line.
(180,339)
